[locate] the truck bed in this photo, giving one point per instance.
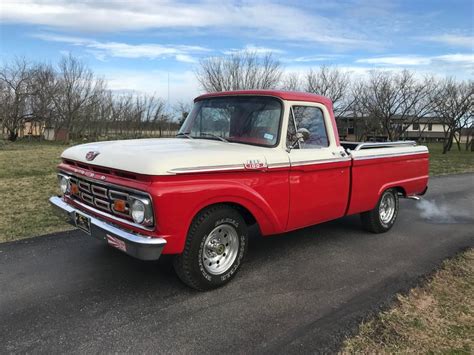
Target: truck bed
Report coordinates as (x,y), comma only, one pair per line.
(379,166)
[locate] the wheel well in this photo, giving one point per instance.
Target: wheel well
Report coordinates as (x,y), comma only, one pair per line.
(244,212)
(401,191)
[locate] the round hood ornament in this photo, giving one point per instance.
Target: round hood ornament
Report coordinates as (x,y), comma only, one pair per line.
(91,155)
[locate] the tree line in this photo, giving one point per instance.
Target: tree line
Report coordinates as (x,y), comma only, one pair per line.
(70,96)
(382,102)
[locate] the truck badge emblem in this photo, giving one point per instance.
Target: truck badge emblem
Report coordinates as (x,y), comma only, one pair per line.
(255,164)
(91,155)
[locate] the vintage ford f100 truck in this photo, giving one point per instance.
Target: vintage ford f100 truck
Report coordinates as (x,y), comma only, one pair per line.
(270,158)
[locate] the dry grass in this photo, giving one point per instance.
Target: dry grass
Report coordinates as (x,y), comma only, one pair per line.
(435,318)
(27,180)
(452,162)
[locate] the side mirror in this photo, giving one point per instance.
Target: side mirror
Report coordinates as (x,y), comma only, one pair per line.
(302,134)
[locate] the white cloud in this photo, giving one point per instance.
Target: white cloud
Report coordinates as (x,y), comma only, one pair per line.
(452,40)
(183,84)
(255,49)
(315,58)
(102,50)
(397,60)
(456,58)
(259,18)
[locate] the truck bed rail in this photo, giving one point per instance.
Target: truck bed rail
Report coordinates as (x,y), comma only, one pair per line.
(368,145)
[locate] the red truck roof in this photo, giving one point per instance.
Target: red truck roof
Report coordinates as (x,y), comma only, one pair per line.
(284,95)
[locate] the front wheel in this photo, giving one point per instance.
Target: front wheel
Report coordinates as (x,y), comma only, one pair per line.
(383,216)
(215,247)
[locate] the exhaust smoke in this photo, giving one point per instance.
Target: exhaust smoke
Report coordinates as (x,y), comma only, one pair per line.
(442,213)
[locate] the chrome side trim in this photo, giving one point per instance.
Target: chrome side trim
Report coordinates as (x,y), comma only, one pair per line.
(241,167)
(200,169)
(279,165)
(320,161)
(392,155)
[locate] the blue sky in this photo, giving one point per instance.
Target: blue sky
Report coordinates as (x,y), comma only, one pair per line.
(135,45)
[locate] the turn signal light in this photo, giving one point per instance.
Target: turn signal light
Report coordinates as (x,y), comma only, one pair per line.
(119,205)
(74,189)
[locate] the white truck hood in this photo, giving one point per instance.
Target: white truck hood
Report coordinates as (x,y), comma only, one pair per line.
(169,156)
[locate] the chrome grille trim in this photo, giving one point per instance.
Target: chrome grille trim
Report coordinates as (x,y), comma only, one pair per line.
(105,205)
(99,196)
(111,191)
(87,198)
(99,191)
(84,186)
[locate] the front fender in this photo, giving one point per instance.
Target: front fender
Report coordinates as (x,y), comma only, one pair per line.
(179,200)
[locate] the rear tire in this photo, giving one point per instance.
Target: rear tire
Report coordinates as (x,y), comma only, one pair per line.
(383,216)
(215,247)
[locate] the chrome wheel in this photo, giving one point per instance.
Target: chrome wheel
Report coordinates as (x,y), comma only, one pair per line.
(220,249)
(387,208)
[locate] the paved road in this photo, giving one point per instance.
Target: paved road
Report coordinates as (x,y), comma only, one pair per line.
(298,292)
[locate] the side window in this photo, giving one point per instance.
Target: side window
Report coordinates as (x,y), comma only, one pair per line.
(312,119)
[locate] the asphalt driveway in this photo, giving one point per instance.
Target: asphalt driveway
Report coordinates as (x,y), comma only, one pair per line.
(298,292)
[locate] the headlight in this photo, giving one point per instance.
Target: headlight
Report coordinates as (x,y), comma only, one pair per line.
(63,184)
(141,211)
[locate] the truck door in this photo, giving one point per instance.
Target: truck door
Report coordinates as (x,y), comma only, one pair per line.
(320,169)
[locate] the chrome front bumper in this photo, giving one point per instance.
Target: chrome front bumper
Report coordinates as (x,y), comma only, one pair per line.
(138,246)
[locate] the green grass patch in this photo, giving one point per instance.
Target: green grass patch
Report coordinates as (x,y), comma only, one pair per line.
(435,318)
(27,180)
(453,162)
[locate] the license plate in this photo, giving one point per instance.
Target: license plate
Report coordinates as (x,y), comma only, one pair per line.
(83,223)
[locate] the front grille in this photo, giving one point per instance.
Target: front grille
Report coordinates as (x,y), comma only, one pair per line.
(100,196)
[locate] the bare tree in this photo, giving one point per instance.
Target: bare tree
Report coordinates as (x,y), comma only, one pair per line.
(43,85)
(292,82)
(238,71)
(453,103)
(397,100)
(182,110)
(331,82)
(364,124)
(76,89)
(16,91)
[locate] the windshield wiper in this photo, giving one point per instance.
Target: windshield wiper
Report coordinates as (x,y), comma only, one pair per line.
(215,136)
(184,135)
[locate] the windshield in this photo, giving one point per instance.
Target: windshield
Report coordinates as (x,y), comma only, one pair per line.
(242,119)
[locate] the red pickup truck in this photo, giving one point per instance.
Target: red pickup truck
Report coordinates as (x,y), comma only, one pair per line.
(270,158)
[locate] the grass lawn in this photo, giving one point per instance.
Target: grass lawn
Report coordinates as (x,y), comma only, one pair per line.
(435,318)
(451,163)
(28,178)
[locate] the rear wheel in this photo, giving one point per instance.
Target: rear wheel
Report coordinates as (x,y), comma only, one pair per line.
(215,247)
(383,216)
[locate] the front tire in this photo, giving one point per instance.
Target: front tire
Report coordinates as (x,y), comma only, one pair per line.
(383,216)
(215,247)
